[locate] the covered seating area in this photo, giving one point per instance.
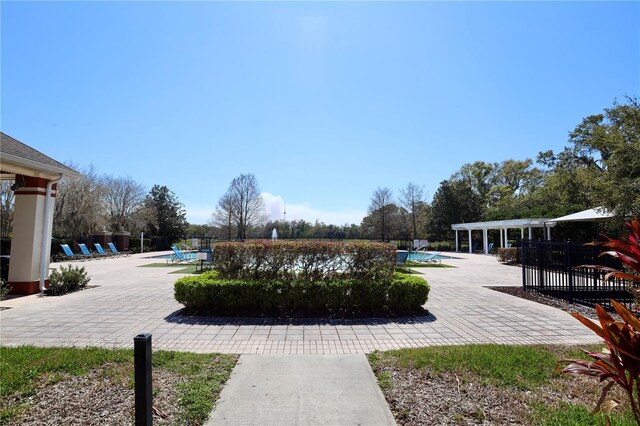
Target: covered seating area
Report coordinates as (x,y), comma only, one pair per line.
(35,176)
(503,226)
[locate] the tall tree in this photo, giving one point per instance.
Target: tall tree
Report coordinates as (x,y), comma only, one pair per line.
(246,204)
(123,197)
(223,217)
(453,202)
(79,205)
(380,213)
(606,147)
(6,208)
(412,199)
(169,216)
(480,176)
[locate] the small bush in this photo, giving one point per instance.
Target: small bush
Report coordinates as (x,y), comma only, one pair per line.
(66,280)
(4,289)
(508,255)
(209,294)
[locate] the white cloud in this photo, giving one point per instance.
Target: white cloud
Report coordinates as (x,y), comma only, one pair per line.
(275,211)
(274,204)
(199,215)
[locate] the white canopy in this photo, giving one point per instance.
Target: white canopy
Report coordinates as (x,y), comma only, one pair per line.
(597,214)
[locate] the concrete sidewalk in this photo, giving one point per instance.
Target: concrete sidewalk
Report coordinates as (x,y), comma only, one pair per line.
(301,390)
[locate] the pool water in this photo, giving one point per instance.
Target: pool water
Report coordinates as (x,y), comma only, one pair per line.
(420,256)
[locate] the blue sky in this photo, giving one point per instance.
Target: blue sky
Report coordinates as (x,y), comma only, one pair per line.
(322,102)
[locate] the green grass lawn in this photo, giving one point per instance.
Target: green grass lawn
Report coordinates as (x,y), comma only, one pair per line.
(527,370)
(25,370)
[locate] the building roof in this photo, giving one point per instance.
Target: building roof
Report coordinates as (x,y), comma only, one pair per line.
(596,214)
(19,158)
(503,224)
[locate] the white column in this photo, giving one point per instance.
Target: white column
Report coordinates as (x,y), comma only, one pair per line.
(28,231)
(530,234)
(549,233)
(501,238)
(485,241)
(506,237)
(456,240)
(470,247)
(522,233)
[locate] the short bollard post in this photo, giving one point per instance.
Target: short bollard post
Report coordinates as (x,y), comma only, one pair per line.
(143,395)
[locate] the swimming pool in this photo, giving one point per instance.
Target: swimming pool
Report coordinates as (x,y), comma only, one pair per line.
(419,256)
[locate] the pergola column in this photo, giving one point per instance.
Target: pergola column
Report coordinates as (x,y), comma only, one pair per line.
(485,241)
(522,233)
(456,240)
(501,238)
(530,234)
(470,248)
(28,229)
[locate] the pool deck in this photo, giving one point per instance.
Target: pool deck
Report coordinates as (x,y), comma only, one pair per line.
(129,299)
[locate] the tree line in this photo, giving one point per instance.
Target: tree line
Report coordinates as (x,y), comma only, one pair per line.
(600,167)
(97,202)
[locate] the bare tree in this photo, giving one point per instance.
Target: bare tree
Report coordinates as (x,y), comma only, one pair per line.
(223,217)
(79,205)
(123,197)
(246,204)
(381,210)
(6,208)
(412,199)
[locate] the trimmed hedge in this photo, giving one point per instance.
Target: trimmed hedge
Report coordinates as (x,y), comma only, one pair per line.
(209,294)
(304,260)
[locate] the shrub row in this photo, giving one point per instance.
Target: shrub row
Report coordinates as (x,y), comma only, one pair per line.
(208,294)
(508,255)
(304,260)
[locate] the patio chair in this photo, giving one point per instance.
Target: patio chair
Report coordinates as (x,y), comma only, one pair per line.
(85,251)
(71,255)
(101,251)
(178,256)
(115,251)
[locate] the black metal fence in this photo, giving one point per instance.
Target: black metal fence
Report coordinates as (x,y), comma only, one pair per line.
(552,268)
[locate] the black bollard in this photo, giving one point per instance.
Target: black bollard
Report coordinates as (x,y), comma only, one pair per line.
(143,395)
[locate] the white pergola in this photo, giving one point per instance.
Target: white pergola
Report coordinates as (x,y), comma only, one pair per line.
(503,226)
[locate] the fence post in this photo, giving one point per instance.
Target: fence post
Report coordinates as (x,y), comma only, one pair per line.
(523,262)
(540,255)
(142,375)
(570,271)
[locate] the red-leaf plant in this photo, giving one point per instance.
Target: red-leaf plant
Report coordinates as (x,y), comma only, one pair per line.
(621,363)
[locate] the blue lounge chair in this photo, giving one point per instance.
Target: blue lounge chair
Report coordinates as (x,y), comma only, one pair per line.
(490,247)
(70,254)
(85,251)
(179,256)
(115,251)
(101,251)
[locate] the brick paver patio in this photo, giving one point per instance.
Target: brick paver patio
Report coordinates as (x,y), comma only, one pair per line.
(129,299)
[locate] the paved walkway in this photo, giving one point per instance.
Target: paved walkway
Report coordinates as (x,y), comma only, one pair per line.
(301,390)
(130,299)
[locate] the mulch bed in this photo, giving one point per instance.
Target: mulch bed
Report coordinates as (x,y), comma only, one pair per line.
(97,398)
(424,397)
